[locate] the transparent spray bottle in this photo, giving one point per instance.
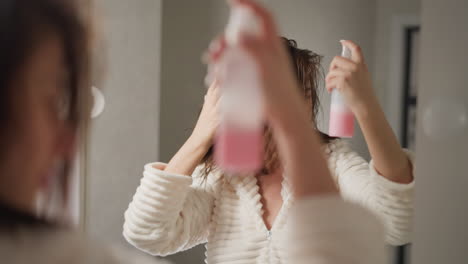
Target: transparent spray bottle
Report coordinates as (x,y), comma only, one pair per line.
(341,117)
(239,139)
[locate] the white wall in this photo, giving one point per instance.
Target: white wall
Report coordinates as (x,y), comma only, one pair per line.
(387,11)
(441,235)
(186,33)
(125,136)
(388,61)
(187,29)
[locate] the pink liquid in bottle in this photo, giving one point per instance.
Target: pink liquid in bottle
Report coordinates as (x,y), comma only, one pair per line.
(239,150)
(341,123)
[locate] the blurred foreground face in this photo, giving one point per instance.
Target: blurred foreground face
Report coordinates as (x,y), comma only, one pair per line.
(41,137)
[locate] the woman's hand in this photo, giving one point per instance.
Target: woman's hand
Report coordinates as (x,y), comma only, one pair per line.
(209,117)
(352,78)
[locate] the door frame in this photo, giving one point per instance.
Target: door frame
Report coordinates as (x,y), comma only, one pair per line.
(395,93)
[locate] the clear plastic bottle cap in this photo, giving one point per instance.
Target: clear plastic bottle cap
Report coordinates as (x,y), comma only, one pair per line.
(346,52)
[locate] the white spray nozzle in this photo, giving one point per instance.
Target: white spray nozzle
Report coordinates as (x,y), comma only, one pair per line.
(346,52)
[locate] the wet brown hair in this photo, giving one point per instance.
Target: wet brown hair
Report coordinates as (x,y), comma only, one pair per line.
(308,72)
(23,25)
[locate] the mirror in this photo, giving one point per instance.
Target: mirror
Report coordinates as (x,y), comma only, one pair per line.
(154,84)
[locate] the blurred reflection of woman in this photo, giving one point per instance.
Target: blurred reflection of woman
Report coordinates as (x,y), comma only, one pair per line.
(43,84)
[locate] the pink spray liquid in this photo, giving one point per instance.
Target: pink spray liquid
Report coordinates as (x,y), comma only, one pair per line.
(341,123)
(239,150)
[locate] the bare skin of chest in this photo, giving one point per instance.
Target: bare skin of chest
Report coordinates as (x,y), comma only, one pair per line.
(270,191)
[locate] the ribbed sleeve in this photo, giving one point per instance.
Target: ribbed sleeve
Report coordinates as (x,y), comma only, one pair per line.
(360,182)
(169,213)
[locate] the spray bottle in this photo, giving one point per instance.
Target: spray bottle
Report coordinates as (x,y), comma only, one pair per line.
(239,139)
(341,117)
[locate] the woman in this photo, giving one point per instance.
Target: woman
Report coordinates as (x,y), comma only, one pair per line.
(43,91)
(181,204)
